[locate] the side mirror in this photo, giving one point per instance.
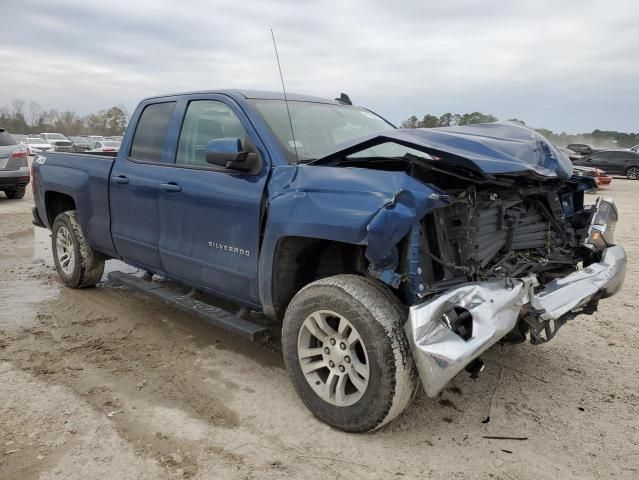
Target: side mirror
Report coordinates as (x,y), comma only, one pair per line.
(228,153)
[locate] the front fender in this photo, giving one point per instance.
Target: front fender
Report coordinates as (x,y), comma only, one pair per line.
(350,205)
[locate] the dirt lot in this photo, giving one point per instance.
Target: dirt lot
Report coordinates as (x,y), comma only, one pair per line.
(103,383)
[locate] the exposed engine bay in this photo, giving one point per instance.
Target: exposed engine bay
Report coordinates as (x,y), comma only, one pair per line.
(491,232)
(507,226)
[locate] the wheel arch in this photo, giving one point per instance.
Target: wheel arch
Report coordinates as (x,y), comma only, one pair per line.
(299,260)
(56,203)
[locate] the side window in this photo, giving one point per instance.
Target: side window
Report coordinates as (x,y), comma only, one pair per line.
(601,157)
(206,120)
(151,131)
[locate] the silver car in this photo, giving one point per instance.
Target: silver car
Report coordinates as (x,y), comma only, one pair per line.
(14,168)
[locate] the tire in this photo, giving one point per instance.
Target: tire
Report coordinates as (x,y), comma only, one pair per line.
(382,351)
(16,193)
(78,265)
(632,173)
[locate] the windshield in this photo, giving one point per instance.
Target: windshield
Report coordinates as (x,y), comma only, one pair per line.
(318,127)
(34,140)
(55,135)
(111,144)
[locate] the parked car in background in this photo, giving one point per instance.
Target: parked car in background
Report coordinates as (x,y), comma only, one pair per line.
(601,178)
(81,144)
(615,162)
(105,146)
(635,148)
(59,142)
(14,168)
(36,145)
(583,148)
(94,138)
(572,155)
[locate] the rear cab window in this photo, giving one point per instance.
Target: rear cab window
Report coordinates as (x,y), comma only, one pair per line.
(150,132)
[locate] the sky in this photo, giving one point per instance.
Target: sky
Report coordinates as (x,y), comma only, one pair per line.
(564,65)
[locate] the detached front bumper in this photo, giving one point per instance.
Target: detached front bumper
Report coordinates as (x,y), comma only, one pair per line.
(449,332)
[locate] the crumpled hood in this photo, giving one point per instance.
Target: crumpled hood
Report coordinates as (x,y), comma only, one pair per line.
(487,148)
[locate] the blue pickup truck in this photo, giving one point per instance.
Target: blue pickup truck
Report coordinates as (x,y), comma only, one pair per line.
(388,256)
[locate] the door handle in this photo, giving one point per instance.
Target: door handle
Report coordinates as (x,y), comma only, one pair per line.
(120,180)
(170,187)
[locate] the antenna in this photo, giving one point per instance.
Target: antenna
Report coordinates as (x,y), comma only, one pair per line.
(288,111)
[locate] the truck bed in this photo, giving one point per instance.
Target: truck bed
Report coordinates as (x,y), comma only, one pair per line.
(84,177)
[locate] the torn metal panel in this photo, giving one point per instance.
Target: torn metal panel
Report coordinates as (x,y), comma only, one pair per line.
(563,295)
(488,148)
(371,208)
(440,353)
(392,222)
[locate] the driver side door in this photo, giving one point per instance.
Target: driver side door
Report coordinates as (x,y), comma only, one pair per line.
(210,216)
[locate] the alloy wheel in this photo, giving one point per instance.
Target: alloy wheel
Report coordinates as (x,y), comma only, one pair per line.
(65,250)
(333,358)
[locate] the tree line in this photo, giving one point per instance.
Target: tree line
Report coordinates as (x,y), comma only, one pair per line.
(604,138)
(30,118)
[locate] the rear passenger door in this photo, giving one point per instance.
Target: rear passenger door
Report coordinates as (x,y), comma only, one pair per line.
(134,184)
(620,161)
(210,216)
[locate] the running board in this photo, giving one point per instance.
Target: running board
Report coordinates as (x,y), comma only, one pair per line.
(215,316)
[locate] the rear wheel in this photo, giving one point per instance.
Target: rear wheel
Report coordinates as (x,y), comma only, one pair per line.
(633,173)
(78,265)
(16,193)
(347,354)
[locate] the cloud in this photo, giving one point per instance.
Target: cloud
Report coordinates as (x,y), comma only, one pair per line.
(569,65)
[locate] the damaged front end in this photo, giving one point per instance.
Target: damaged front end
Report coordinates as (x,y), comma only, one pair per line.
(531,268)
(510,251)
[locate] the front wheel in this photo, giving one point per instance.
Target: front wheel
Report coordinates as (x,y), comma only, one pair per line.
(346,352)
(632,173)
(78,265)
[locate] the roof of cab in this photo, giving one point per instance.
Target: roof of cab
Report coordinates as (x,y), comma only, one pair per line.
(253,95)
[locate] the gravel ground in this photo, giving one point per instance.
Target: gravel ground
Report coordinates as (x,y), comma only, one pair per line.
(103,383)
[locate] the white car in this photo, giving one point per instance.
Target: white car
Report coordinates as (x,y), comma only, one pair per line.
(36,145)
(105,146)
